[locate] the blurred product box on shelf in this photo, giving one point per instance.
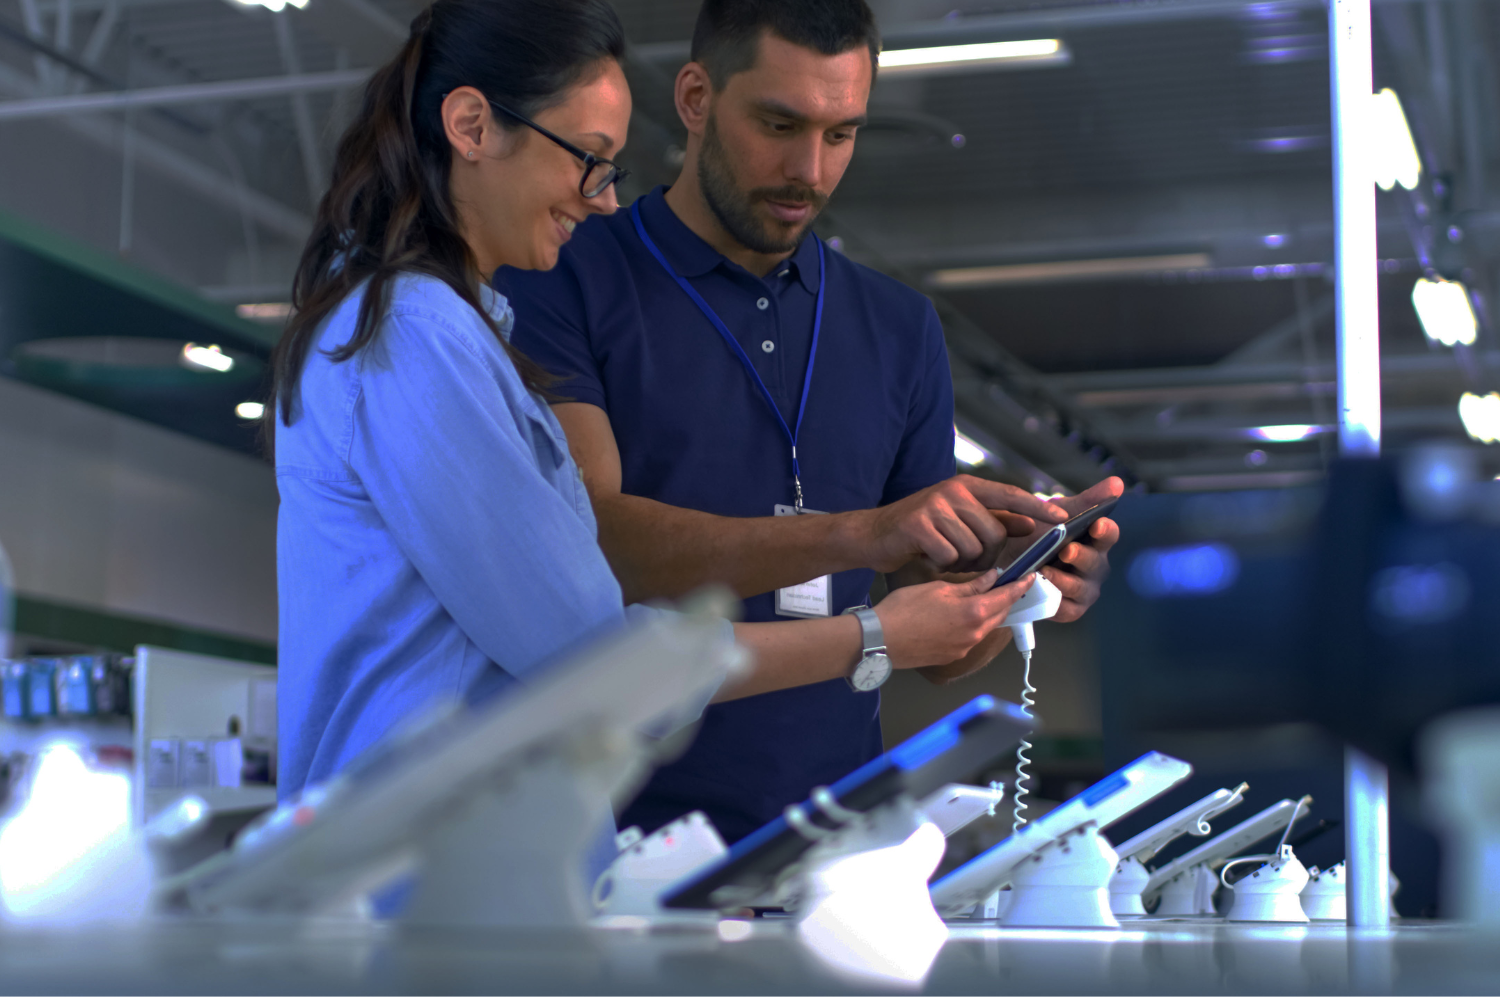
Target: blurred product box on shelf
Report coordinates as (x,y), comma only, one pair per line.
(197,763)
(81,685)
(43,694)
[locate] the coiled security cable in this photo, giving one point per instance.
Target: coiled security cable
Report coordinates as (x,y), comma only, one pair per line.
(1023,760)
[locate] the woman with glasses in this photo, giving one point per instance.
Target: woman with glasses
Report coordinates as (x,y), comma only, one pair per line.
(435,540)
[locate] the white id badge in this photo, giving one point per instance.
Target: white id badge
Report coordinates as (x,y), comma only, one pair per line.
(810,599)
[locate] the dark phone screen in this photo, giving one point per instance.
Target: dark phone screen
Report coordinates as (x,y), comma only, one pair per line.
(1040,552)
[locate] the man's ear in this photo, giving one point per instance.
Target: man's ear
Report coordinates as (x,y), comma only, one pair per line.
(693,95)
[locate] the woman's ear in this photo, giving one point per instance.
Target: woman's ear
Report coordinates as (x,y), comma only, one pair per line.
(466,117)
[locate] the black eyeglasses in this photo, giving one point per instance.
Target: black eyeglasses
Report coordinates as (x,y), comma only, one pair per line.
(598,173)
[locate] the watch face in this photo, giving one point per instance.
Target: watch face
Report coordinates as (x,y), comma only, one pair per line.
(870,673)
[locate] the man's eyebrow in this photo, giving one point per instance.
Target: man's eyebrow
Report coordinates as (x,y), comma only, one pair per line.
(782,111)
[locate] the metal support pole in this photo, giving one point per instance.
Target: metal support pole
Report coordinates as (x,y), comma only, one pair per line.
(1367,831)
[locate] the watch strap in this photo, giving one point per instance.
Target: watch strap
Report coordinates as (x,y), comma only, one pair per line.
(873,635)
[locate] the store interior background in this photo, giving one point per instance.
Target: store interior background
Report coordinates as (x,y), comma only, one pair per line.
(1130,247)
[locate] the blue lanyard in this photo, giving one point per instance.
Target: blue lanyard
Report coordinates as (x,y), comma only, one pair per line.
(792,433)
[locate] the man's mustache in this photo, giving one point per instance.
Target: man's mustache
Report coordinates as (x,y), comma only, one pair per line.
(790,195)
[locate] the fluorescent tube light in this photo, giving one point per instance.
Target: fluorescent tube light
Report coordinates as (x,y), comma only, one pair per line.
(270,311)
(1481,416)
(206,358)
(1286,434)
(1391,146)
(1057,270)
(271,4)
(1444,310)
(1036,51)
(250,411)
(967,451)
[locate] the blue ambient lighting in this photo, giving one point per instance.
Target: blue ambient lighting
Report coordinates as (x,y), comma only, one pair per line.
(1184,572)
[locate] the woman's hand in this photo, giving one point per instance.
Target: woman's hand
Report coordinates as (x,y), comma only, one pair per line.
(940,622)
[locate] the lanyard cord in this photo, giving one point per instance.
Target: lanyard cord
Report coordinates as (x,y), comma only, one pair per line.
(791,433)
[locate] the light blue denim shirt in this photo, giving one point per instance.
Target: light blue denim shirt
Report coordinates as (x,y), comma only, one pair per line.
(434,540)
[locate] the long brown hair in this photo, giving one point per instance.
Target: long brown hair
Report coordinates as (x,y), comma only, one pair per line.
(388,209)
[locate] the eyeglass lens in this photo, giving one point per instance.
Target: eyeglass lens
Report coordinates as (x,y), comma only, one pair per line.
(599,177)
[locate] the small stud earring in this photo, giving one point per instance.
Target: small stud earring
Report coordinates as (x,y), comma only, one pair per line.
(471,153)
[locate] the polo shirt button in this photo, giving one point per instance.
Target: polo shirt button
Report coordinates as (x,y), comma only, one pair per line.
(768,346)
(763,304)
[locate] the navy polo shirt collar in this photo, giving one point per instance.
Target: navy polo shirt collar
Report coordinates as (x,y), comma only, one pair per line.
(691,256)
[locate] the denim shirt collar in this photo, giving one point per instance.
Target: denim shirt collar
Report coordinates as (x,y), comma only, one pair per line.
(691,256)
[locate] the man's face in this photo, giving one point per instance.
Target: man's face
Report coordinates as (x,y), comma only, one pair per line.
(778,139)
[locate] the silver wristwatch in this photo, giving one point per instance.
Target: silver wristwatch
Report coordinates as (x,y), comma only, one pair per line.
(874,666)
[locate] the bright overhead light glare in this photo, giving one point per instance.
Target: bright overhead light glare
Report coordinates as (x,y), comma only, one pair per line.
(1481,416)
(1035,50)
(967,451)
(250,410)
(272,5)
(1286,434)
(206,358)
(1444,310)
(269,311)
(1391,146)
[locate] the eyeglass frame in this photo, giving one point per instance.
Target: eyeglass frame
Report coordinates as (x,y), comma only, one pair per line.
(588,159)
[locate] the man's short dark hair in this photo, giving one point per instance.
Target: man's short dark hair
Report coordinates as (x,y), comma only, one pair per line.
(726,38)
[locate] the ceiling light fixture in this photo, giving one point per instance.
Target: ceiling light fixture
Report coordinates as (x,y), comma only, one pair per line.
(1444,310)
(1391,145)
(270,311)
(206,358)
(250,411)
(1286,434)
(1059,270)
(271,4)
(1036,51)
(1481,416)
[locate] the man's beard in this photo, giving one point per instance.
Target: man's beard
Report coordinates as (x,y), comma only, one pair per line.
(735,208)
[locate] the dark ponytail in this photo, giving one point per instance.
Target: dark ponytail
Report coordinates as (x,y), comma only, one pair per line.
(388,210)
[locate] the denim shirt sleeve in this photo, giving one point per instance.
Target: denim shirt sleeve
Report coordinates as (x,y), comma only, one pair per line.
(445,441)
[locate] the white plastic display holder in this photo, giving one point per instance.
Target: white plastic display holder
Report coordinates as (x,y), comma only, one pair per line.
(645,866)
(1131,877)
(1326,896)
(1270,893)
(1190,893)
(860,893)
(548,814)
(895,825)
(1064,884)
(495,808)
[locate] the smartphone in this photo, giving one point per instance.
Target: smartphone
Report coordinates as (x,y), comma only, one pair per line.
(1054,540)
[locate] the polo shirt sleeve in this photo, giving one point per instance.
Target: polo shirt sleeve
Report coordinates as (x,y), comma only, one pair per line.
(926,453)
(442,452)
(552,327)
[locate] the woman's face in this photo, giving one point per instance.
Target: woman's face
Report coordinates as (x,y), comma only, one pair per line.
(516,191)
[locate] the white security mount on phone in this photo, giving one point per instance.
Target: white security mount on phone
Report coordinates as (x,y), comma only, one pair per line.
(1187,884)
(648,865)
(1059,865)
(1131,876)
(492,809)
(1041,602)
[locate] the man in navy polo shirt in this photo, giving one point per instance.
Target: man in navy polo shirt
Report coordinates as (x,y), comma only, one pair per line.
(726,375)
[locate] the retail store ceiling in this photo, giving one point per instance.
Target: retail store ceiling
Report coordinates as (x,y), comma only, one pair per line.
(1184,145)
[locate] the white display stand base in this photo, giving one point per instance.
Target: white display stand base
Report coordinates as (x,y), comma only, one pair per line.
(1271,893)
(1065,884)
(1125,886)
(1189,894)
(516,857)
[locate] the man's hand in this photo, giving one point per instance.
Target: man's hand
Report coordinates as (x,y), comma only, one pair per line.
(960,525)
(1080,568)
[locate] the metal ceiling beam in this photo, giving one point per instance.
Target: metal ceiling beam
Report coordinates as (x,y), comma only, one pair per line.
(1403,366)
(187,93)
